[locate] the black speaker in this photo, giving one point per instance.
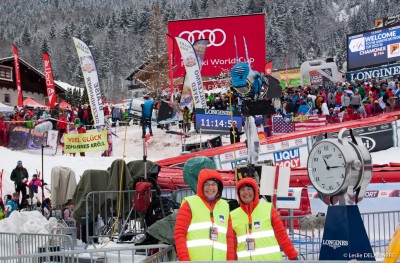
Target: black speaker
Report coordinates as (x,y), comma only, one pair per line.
(329,60)
(258,107)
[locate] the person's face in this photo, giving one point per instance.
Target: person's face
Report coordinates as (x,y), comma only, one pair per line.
(210,189)
(246,194)
(15,198)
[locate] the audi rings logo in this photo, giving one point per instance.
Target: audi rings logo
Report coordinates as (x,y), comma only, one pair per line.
(215,37)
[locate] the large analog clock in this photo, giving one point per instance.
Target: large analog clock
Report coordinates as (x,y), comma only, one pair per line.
(340,168)
(327,167)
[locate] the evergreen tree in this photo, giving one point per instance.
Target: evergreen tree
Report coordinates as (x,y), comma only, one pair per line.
(26,38)
(44,47)
(52,32)
(194,9)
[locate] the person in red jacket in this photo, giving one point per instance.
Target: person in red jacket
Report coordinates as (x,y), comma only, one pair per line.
(252,222)
(203,228)
(62,125)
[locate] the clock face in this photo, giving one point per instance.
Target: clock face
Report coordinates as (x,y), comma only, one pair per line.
(327,167)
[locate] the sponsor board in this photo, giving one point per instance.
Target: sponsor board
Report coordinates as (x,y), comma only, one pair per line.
(220,32)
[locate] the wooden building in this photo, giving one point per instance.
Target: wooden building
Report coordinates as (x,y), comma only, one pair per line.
(33,83)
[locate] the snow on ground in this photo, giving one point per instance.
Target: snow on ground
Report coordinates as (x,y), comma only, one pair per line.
(162,145)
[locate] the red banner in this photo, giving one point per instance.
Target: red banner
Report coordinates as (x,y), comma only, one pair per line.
(170,45)
(17,76)
(220,32)
(48,74)
(268,68)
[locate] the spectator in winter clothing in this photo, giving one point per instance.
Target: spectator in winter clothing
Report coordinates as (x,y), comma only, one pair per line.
(81,129)
(12,204)
(252,222)
(304,108)
(187,118)
(62,125)
(234,133)
(3,130)
(68,213)
(203,230)
(355,100)
(33,186)
(20,177)
(47,208)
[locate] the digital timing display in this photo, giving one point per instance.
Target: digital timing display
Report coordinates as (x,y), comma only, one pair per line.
(217,120)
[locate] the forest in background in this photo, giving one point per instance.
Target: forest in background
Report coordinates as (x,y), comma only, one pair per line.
(124,34)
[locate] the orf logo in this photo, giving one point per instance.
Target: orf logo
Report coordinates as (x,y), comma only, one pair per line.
(215,37)
(368,142)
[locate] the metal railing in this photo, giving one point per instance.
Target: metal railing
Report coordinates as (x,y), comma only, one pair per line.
(379,226)
(30,243)
(102,219)
(120,254)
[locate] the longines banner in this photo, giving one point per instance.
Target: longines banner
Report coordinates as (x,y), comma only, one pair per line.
(220,31)
(373,73)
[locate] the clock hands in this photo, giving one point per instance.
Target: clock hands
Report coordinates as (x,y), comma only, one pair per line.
(329,167)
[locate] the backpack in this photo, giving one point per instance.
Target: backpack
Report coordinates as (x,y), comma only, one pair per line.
(142,199)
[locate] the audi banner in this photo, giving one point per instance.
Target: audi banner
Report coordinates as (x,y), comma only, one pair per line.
(220,32)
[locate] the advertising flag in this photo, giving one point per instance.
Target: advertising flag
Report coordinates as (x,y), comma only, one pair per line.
(193,90)
(170,44)
(48,74)
(89,71)
(17,76)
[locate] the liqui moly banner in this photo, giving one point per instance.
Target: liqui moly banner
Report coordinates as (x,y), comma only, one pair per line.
(17,76)
(89,71)
(48,74)
(220,32)
(193,75)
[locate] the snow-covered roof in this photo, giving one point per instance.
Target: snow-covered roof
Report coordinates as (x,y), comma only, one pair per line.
(67,86)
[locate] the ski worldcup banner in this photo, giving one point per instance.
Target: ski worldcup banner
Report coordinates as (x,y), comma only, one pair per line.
(220,32)
(186,94)
(192,73)
(91,81)
(17,76)
(85,142)
(48,74)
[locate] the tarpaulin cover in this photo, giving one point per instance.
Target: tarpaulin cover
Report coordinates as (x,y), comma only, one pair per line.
(91,180)
(192,167)
(63,185)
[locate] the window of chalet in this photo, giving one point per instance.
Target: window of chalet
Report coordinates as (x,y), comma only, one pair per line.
(7,98)
(6,73)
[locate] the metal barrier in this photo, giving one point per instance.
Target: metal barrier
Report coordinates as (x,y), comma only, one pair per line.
(103,221)
(379,226)
(120,254)
(26,244)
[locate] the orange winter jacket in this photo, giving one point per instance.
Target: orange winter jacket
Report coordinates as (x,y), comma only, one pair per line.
(184,217)
(280,231)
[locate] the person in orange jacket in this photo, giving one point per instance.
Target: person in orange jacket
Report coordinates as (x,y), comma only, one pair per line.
(203,229)
(252,223)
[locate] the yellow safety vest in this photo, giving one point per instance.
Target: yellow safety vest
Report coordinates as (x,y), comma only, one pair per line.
(199,244)
(266,245)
